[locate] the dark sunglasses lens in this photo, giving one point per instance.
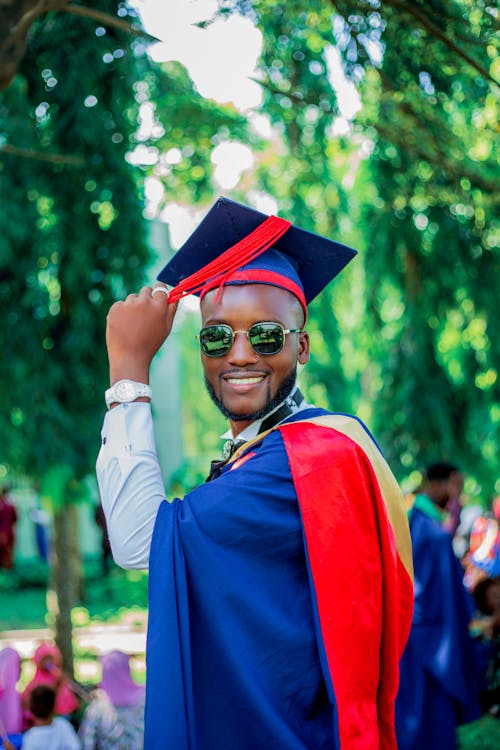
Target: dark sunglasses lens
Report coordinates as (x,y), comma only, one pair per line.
(215,341)
(266,338)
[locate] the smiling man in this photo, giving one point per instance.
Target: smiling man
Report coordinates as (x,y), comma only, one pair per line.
(280,593)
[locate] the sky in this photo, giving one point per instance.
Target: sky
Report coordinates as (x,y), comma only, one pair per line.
(221,60)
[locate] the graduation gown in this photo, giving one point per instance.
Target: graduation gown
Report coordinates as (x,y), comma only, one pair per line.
(440,665)
(281,598)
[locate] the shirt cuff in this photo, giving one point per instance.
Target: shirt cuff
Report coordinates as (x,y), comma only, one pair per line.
(128,428)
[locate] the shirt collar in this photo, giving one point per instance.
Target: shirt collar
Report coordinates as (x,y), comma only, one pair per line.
(250,432)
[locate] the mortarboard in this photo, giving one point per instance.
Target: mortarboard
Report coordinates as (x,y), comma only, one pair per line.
(235,244)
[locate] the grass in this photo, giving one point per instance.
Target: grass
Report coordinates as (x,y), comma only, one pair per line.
(480,735)
(104,598)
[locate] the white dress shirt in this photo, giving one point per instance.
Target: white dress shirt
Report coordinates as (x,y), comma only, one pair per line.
(130,481)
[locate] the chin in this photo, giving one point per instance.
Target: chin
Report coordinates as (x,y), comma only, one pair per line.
(249,411)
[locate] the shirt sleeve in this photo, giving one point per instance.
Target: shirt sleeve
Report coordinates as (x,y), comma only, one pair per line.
(130,482)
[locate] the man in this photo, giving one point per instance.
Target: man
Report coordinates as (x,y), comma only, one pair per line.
(8,520)
(280,590)
(439,670)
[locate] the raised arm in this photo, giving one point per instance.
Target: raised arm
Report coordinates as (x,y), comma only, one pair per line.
(128,472)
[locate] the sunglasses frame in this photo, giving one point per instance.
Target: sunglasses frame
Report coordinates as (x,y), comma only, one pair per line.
(284,331)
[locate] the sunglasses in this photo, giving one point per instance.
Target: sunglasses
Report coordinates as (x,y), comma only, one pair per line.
(265,338)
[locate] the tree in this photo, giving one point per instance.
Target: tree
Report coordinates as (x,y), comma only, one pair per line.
(431,280)
(73,237)
(70,216)
(413,187)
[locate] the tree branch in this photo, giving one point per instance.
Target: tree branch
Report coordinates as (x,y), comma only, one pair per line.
(295,96)
(28,153)
(17,18)
(436,32)
(38,9)
(108,20)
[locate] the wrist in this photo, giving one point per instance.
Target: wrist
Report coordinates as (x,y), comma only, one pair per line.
(126,391)
(128,367)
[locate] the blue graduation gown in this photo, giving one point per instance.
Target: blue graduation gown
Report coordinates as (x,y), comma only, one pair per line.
(439,668)
(235,654)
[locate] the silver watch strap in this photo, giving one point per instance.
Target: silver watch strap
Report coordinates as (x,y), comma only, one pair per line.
(126,391)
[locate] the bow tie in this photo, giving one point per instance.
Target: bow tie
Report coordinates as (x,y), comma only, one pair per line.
(230,447)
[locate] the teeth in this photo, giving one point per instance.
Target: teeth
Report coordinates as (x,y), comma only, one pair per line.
(244,381)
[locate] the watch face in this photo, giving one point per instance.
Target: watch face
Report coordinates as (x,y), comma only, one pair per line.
(125,391)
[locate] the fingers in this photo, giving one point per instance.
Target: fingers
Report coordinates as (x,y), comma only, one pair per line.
(159,295)
(158,292)
(161,292)
(144,293)
(152,298)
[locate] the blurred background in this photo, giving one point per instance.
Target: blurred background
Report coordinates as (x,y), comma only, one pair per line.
(375,123)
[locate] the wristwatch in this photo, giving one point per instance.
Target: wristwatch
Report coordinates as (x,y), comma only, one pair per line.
(125,391)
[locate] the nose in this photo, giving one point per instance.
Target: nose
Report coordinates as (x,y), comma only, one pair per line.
(241,352)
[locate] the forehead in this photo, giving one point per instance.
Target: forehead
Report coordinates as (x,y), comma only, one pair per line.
(249,303)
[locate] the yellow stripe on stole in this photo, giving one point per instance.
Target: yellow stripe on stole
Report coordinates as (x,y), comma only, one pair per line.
(389,488)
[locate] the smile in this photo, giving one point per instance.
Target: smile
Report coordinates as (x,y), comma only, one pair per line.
(244,381)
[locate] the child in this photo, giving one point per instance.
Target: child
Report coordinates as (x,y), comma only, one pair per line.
(48,732)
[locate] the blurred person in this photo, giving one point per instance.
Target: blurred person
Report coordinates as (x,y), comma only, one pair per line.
(42,523)
(461,541)
(10,697)
(439,670)
(114,720)
(487,599)
(100,520)
(483,559)
(454,503)
(49,671)
(49,732)
(8,520)
(280,591)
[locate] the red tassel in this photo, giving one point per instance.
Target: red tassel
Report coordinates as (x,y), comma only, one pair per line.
(238,255)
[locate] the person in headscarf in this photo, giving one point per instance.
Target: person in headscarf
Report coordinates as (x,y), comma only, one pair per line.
(10,698)
(49,671)
(115,718)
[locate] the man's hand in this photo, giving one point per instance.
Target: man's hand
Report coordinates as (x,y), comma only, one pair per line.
(136,328)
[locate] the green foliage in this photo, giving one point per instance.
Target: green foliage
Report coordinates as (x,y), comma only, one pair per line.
(188,129)
(118,596)
(86,120)
(432,276)
(71,239)
(403,337)
(406,339)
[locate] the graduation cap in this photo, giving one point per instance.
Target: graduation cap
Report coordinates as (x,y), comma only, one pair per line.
(235,244)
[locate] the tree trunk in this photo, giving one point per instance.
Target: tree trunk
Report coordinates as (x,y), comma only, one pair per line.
(65,576)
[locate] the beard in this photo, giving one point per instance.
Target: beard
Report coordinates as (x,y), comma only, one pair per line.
(284,389)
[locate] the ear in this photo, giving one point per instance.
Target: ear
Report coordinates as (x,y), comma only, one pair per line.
(303,348)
